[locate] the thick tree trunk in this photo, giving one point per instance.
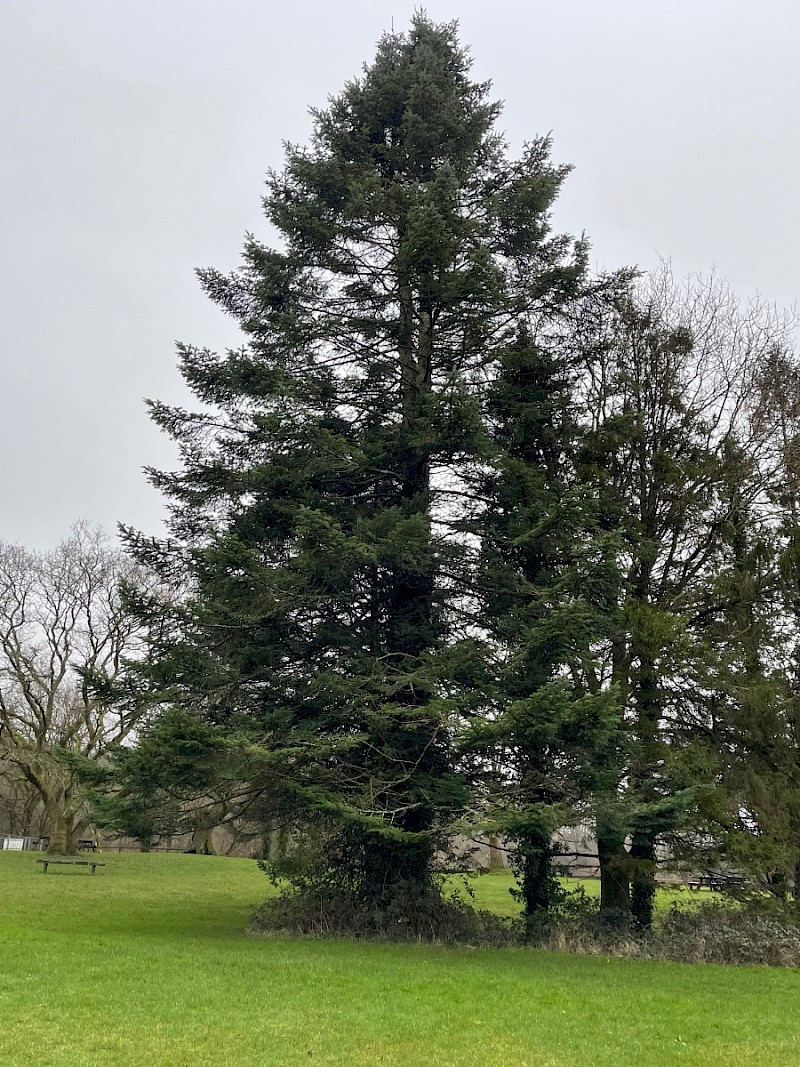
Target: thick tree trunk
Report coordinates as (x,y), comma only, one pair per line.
(63,821)
(203,841)
(613,858)
(643,878)
(395,869)
(58,832)
(778,884)
(646,689)
(615,894)
(496,861)
(276,845)
(538,883)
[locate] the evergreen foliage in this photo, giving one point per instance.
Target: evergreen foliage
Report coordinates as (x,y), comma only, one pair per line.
(320,549)
(550,582)
(678,460)
(460,532)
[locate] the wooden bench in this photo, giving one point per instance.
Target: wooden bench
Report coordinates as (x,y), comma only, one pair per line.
(94,864)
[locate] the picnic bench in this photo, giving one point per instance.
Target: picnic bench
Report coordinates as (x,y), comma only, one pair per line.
(94,864)
(705,882)
(715,882)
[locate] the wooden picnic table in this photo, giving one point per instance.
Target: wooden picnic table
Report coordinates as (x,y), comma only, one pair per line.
(704,882)
(715,882)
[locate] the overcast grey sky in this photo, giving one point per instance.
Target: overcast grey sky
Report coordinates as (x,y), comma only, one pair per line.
(136,135)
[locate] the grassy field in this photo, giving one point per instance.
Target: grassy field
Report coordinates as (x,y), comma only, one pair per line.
(492,892)
(146,964)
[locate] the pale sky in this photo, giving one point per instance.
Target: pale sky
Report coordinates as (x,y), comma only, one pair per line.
(136,135)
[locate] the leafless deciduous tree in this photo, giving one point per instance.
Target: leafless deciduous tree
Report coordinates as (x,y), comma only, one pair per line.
(61,622)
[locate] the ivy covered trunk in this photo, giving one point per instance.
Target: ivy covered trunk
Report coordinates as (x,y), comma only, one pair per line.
(615,876)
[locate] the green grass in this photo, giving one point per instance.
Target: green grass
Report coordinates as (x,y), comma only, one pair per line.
(146,964)
(492,891)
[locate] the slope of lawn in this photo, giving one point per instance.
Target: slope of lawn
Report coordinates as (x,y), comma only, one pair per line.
(145,963)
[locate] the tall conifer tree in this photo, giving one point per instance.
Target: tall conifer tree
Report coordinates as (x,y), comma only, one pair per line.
(314,522)
(550,586)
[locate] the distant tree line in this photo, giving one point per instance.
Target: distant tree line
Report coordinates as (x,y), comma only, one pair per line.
(464,534)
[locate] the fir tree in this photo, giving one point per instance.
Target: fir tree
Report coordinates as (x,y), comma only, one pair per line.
(550,593)
(317,553)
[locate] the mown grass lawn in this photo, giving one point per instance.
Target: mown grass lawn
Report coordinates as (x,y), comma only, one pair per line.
(146,964)
(492,892)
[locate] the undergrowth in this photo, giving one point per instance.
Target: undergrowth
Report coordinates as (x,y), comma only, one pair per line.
(318,909)
(712,932)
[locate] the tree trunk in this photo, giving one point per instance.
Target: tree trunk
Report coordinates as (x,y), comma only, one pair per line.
(615,894)
(496,861)
(778,884)
(410,629)
(538,883)
(275,845)
(203,842)
(58,832)
(643,878)
(644,770)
